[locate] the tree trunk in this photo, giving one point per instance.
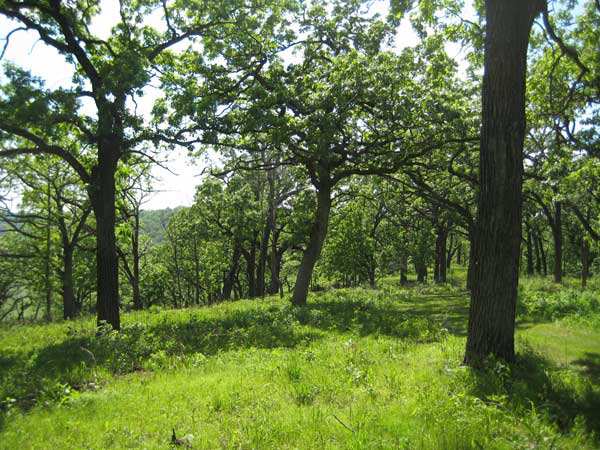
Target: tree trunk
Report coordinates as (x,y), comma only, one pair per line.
(135,254)
(529,252)
(250,257)
(450,252)
(403,270)
(177,290)
(536,248)
(229,280)
(68,292)
(275,263)
(543,261)
(440,254)
(47,259)
(497,246)
(421,269)
(262,257)
(372,278)
(315,243)
(556,227)
(585,262)
(278,264)
(107,270)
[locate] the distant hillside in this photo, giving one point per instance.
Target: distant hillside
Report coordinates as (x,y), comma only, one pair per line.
(155,221)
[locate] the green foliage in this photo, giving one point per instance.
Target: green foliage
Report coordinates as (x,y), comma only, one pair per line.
(154,223)
(551,303)
(349,253)
(294,96)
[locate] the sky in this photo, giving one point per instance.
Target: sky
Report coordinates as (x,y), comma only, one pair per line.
(173,187)
(176,185)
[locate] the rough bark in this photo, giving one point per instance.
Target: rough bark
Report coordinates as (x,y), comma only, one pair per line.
(103,202)
(315,244)
(497,246)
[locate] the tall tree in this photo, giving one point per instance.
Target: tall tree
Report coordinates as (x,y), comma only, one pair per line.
(111,72)
(498,233)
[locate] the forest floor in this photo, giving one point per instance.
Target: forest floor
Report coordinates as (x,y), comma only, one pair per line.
(356,368)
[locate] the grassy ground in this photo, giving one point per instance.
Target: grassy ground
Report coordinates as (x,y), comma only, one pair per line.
(355,369)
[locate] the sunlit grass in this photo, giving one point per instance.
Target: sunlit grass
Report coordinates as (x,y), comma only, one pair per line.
(358,368)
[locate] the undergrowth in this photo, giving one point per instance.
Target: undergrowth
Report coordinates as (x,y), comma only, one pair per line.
(356,368)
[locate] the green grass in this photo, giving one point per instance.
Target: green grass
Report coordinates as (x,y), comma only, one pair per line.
(357,368)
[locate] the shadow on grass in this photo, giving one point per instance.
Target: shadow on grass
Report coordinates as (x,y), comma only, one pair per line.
(41,376)
(388,318)
(590,366)
(535,382)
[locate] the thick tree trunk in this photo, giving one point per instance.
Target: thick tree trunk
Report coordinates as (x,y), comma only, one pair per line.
(313,249)
(107,275)
(68,291)
(529,250)
(497,247)
(585,262)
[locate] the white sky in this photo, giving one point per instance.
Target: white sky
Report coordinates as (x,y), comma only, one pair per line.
(172,189)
